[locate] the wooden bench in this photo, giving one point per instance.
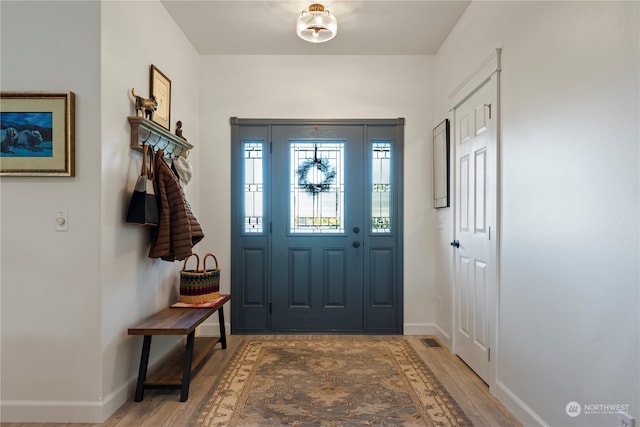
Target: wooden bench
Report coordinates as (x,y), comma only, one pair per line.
(177,321)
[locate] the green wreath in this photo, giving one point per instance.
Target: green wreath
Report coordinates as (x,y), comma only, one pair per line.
(323,166)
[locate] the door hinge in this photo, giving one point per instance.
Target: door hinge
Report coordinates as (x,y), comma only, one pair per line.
(271,144)
(270,307)
(489,232)
(488,105)
(489,353)
(270,227)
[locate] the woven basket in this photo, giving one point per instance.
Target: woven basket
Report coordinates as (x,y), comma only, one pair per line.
(199,285)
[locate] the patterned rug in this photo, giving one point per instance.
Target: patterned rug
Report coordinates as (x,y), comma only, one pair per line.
(329,383)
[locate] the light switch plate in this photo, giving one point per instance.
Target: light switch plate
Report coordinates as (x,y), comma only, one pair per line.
(62,220)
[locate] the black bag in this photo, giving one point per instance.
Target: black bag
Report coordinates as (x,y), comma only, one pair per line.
(143,207)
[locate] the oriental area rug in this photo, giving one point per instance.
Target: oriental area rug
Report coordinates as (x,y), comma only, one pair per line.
(300,382)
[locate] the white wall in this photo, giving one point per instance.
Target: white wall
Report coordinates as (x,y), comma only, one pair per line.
(570,249)
(50,305)
(68,298)
(323,87)
(136,34)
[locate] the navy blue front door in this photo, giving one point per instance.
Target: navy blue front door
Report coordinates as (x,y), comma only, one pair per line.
(317,262)
(316,226)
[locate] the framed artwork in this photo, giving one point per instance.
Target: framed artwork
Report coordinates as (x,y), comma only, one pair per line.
(441,165)
(161,90)
(38,134)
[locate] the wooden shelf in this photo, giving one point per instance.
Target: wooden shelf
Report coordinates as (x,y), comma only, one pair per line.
(145,131)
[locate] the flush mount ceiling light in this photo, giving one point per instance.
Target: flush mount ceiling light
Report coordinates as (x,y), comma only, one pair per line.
(316,25)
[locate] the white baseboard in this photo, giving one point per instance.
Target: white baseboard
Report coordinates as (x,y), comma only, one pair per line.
(421,329)
(86,412)
(33,411)
(125,392)
(517,407)
(212,329)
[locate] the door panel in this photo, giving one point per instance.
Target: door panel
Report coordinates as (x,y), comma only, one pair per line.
(313,221)
(381,278)
(383,253)
(335,279)
(253,278)
(476,153)
(299,284)
(251,261)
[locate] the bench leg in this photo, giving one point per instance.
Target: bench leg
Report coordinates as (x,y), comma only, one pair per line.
(142,372)
(186,369)
(223,335)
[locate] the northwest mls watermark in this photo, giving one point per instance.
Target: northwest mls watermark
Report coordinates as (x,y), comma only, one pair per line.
(574,409)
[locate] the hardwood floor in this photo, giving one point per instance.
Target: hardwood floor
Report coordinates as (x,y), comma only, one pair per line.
(163,408)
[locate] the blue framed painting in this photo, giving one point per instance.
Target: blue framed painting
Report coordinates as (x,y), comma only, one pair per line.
(37,134)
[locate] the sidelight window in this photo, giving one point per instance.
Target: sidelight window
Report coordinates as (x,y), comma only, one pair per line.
(381,187)
(253,187)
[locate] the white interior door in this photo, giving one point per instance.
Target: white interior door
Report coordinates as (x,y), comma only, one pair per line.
(475,287)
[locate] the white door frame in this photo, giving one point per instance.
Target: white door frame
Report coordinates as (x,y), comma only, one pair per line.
(488,72)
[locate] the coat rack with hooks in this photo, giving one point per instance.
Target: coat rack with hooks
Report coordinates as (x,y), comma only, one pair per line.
(146,132)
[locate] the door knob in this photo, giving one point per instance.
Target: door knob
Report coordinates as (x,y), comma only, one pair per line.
(356,230)
(455,243)
(356,244)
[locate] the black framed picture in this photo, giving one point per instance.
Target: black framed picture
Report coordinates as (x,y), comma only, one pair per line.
(441,165)
(161,90)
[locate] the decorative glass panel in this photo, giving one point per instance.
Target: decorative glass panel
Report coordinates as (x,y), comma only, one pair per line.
(381,189)
(253,196)
(317,187)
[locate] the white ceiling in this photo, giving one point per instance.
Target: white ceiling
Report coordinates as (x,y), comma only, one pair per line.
(365,27)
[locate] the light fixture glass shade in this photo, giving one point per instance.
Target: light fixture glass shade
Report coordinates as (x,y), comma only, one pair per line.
(316,25)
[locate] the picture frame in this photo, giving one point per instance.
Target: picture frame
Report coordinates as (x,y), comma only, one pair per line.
(160,89)
(441,184)
(38,134)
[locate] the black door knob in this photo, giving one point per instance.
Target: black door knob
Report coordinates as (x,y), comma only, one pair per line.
(356,230)
(455,243)
(356,244)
